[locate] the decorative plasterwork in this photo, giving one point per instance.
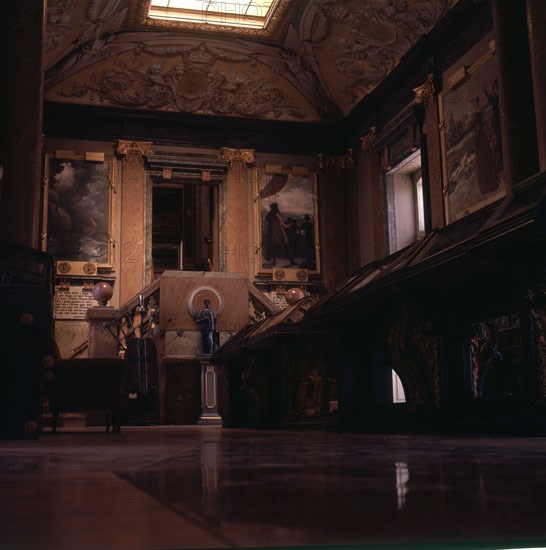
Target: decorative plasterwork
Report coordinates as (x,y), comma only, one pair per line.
(246,156)
(358,42)
(326,56)
(140,148)
(77,30)
(187,78)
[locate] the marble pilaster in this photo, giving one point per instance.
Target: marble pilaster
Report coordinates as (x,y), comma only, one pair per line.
(237,218)
(133,186)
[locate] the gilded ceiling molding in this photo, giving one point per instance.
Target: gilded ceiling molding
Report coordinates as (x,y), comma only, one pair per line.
(246,156)
(140,148)
(425,91)
(138,16)
(368,139)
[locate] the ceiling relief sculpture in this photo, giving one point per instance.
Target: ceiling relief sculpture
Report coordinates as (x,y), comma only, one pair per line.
(358,42)
(328,55)
(79,31)
(192,79)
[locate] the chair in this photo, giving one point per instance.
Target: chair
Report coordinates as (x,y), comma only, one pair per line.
(86,385)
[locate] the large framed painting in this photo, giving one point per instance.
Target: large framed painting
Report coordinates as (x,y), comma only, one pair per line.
(471,138)
(286,221)
(77,211)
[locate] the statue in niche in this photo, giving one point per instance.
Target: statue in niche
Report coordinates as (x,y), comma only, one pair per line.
(210,337)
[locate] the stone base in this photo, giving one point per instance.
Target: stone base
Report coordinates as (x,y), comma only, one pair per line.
(210,420)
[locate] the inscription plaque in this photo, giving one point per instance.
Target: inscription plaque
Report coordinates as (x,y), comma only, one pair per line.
(73,302)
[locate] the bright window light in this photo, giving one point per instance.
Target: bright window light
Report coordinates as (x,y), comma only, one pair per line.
(253,14)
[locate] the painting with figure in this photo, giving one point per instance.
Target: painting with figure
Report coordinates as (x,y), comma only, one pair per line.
(471,140)
(287,211)
(77,213)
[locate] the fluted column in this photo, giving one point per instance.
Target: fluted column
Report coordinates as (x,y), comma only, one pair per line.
(519,147)
(236,247)
(536,24)
(21,109)
(133,188)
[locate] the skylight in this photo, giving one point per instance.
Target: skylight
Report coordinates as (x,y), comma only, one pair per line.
(253,14)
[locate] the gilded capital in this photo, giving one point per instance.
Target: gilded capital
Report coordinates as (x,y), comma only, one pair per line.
(336,162)
(368,139)
(426,90)
(246,156)
(140,148)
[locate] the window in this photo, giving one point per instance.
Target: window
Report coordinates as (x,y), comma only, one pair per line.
(405,203)
(254,14)
(398,395)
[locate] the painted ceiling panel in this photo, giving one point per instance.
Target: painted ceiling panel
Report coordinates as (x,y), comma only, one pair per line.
(326,57)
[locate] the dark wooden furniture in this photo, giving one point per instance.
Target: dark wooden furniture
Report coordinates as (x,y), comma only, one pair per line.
(86,385)
(26,341)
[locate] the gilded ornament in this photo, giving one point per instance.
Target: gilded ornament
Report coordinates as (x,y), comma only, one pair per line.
(246,156)
(140,148)
(368,139)
(425,91)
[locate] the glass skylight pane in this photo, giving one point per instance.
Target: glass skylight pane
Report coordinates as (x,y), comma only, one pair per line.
(244,13)
(198,5)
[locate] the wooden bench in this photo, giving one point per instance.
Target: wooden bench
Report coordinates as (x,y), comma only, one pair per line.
(86,385)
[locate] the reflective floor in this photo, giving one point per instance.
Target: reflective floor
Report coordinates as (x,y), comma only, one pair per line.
(195,487)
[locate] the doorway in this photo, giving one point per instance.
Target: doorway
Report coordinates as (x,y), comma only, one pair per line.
(182,216)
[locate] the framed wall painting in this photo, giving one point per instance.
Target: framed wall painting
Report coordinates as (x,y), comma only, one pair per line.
(77,209)
(286,221)
(471,139)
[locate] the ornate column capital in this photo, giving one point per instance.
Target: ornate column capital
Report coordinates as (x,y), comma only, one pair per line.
(368,139)
(140,148)
(246,156)
(336,162)
(425,91)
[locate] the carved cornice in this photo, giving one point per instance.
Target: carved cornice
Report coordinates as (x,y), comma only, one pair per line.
(140,148)
(425,91)
(246,156)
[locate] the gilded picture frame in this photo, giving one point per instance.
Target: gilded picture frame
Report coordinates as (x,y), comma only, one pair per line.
(470,137)
(77,220)
(286,221)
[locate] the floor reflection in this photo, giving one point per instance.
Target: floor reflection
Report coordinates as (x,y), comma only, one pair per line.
(289,489)
(402,478)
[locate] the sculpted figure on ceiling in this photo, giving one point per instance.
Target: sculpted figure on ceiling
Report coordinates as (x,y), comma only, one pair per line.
(362,41)
(79,33)
(330,55)
(186,80)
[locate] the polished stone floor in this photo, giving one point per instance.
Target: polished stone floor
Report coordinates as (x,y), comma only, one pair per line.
(195,487)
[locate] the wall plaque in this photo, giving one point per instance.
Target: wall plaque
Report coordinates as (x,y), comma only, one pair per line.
(72,302)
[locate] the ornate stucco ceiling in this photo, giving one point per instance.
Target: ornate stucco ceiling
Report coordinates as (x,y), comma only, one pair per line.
(323,58)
